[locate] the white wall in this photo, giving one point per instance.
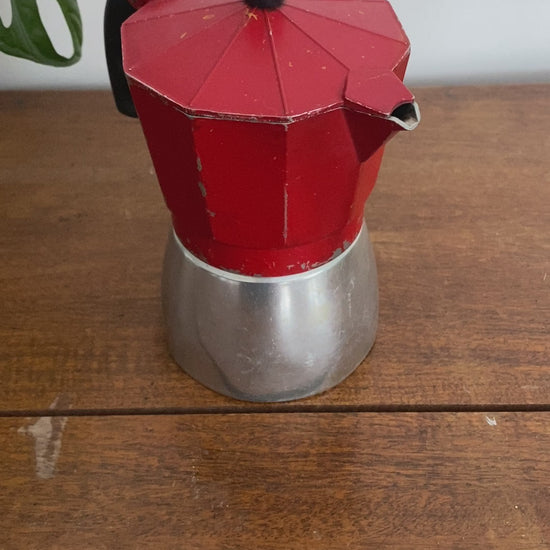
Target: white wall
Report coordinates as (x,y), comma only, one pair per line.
(477,41)
(454,41)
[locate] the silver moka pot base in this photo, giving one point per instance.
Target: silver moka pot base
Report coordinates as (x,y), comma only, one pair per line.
(271,338)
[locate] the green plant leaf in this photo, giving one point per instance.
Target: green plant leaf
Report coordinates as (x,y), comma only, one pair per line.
(26,37)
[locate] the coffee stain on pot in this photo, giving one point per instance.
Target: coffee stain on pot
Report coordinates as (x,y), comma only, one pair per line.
(47,433)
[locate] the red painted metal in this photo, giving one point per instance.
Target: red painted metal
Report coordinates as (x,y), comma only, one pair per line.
(266,128)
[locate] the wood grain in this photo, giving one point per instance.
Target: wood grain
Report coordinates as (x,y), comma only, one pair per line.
(459,219)
(272,481)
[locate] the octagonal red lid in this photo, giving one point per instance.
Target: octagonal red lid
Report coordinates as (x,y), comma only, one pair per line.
(220,58)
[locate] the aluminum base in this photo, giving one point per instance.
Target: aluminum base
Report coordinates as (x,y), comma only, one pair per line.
(271,339)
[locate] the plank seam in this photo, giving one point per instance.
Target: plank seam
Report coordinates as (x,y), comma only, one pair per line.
(269,409)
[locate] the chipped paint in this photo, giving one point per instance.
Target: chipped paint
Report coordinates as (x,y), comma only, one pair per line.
(335,254)
(47,433)
(285,226)
(202,189)
(199,164)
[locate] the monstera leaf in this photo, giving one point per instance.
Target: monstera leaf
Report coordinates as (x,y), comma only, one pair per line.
(26,37)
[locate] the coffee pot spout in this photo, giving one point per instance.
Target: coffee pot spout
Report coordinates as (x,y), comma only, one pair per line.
(378,106)
(406,116)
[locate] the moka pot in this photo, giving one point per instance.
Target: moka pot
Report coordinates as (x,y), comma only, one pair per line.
(266,123)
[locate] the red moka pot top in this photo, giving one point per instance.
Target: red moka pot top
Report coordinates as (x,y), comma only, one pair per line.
(266,127)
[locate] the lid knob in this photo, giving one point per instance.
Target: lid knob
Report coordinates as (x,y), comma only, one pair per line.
(269,5)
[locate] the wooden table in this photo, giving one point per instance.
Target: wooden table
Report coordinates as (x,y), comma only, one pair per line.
(440,439)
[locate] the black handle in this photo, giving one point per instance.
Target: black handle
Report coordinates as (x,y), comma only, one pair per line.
(116,12)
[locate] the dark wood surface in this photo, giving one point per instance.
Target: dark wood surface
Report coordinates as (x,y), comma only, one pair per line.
(460,221)
(440,439)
